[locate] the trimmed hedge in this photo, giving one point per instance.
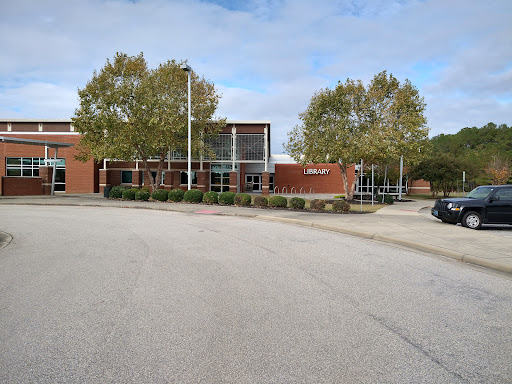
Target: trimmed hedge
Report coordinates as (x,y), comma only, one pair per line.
(116,192)
(278,202)
(260,201)
(129,194)
(176,195)
(160,194)
(388,199)
(211,197)
(317,204)
(193,196)
(243,199)
(297,203)
(142,194)
(227,198)
(340,206)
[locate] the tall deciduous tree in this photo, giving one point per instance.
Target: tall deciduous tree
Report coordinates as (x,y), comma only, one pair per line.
(378,124)
(128,111)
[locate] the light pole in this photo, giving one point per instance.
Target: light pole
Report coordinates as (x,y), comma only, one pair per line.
(187,69)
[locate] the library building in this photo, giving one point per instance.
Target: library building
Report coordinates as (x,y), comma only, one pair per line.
(37,158)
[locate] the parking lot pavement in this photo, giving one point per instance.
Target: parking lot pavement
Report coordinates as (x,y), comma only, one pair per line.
(405,223)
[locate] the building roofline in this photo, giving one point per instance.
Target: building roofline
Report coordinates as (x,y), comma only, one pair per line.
(70,121)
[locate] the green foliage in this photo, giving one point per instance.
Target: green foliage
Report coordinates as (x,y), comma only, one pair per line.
(129,194)
(116,192)
(128,111)
(386,199)
(211,197)
(297,203)
(317,204)
(378,124)
(278,202)
(243,199)
(339,196)
(176,195)
(227,198)
(193,196)
(160,194)
(142,194)
(260,201)
(340,206)
(441,170)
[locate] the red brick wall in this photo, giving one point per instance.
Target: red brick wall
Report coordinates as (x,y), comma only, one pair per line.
(292,176)
(21,186)
(80,177)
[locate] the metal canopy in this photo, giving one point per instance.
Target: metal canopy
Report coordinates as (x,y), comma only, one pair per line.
(49,144)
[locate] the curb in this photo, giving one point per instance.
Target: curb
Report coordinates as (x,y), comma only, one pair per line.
(5,239)
(468,259)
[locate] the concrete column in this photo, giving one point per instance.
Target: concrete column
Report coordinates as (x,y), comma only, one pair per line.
(265,183)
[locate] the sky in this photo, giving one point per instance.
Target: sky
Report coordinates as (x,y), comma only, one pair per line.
(267,58)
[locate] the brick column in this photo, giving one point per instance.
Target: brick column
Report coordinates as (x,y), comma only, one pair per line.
(202,181)
(176,179)
(104,179)
(233,184)
(265,183)
(169,179)
(46,174)
(136,179)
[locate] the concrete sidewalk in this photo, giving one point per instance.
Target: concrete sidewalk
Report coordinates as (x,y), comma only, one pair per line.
(406,223)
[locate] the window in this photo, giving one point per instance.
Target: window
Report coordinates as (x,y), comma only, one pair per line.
(29,167)
(250,147)
(221,146)
(126,177)
(184,177)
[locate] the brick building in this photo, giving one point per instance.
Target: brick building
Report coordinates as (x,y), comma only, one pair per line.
(242,164)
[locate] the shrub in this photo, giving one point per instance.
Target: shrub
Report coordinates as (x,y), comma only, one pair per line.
(129,194)
(142,194)
(211,197)
(339,196)
(243,199)
(260,201)
(193,196)
(176,195)
(317,204)
(160,194)
(297,203)
(340,206)
(116,192)
(388,199)
(227,198)
(278,201)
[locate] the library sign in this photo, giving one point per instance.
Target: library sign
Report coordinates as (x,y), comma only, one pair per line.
(322,171)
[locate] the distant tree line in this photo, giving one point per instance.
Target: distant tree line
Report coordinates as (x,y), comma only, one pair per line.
(484,154)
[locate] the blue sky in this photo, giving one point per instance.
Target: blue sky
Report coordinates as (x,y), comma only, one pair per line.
(267,58)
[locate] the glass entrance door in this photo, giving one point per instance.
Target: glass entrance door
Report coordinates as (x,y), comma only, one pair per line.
(219,177)
(255,179)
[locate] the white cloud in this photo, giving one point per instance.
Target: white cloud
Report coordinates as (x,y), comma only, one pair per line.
(267,57)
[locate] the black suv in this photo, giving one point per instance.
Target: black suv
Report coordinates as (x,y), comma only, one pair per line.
(487,204)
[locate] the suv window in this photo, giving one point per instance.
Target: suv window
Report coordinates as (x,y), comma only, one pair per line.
(480,192)
(504,193)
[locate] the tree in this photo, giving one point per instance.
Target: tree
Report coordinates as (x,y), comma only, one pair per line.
(130,112)
(499,170)
(378,124)
(331,130)
(441,170)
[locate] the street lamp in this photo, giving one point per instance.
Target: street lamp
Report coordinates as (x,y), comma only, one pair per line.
(187,69)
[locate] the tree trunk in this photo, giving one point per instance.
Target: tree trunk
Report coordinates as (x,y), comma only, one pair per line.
(349,191)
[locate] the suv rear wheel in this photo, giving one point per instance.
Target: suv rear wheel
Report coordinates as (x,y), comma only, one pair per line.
(472,220)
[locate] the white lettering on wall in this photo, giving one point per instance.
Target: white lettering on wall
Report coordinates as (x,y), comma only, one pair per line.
(323,171)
